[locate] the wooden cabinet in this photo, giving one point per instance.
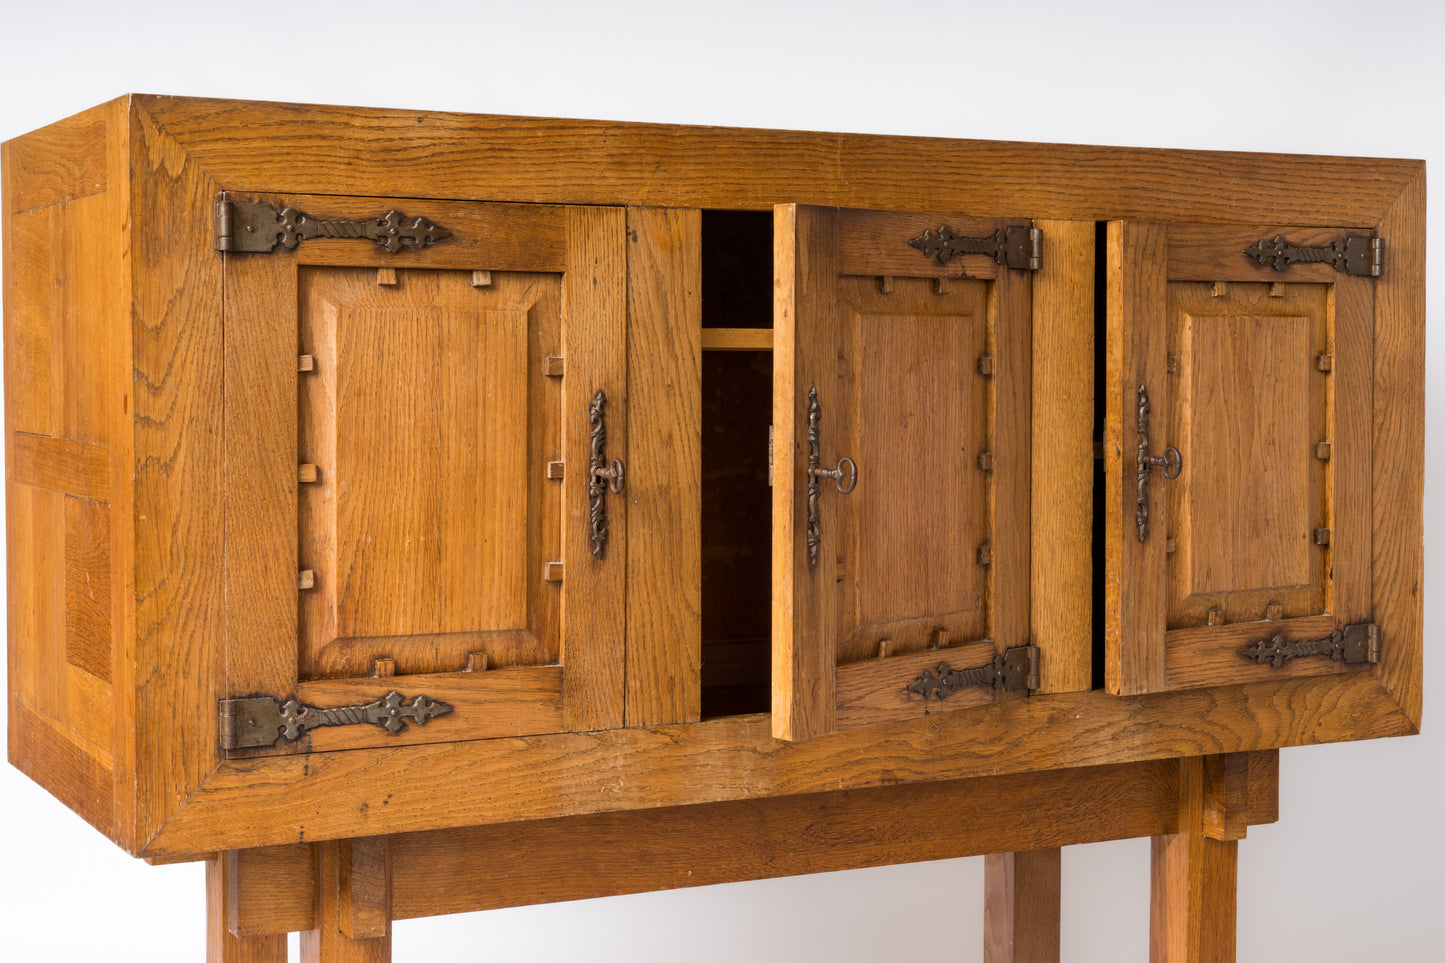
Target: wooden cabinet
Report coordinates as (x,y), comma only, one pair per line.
(372,473)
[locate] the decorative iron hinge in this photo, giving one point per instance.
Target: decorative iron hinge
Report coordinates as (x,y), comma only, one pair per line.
(1021,248)
(261,720)
(1353,645)
(1354,254)
(1016,669)
(257,227)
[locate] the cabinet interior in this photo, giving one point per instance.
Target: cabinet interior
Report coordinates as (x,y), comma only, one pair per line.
(737,400)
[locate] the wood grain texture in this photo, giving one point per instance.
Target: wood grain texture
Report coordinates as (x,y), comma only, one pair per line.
(222,945)
(61,465)
(737,339)
(1352,452)
(328,942)
(365,887)
(646,850)
(51,756)
(1010,573)
(876,690)
(1398,559)
(1061,474)
(1133,600)
(1022,893)
(63,161)
(260,473)
(1214,655)
(359,793)
(29,292)
(178,432)
(664,490)
(87,592)
(262,146)
(594,608)
(1192,884)
(270,890)
(1215,253)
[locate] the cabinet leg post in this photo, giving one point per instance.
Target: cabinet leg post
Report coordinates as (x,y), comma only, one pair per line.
(353,903)
(1192,882)
(1021,907)
(221,945)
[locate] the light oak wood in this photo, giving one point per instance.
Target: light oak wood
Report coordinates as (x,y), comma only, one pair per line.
(1022,892)
(329,941)
(1192,886)
(737,339)
(223,946)
(270,889)
(365,887)
(664,560)
(59,465)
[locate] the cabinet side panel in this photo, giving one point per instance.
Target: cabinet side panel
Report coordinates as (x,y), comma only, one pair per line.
(664,557)
(178,460)
(1062,476)
(66,366)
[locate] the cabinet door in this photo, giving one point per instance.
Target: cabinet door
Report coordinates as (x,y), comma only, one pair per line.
(1238,440)
(411,505)
(901,465)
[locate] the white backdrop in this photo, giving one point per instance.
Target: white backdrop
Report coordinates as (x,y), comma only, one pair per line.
(1353,870)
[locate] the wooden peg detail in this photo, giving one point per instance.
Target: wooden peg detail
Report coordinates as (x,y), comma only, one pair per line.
(476,662)
(481,279)
(305,579)
(305,362)
(940,285)
(383,668)
(1214,617)
(1221,290)
(940,639)
(1273,612)
(1276,290)
(552,571)
(985,365)
(554,366)
(307,474)
(556,470)
(1322,536)
(885,285)
(841,572)
(1325,362)
(885,648)
(386,276)
(985,461)
(1322,451)
(1171,364)
(985,554)
(1170,546)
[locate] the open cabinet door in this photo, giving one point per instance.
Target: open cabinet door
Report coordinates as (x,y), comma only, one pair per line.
(1238,454)
(901,466)
(420,428)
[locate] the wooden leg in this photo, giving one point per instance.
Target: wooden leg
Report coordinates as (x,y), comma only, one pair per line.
(353,903)
(1021,907)
(1192,885)
(221,945)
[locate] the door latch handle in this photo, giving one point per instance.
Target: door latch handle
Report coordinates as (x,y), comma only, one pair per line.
(601,476)
(1171,462)
(847,469)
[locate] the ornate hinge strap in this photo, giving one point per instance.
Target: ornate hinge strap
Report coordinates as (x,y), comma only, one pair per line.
(1016,669)
(1020,248)
(257,227)
(1353,254)
(260,721)
(1353,645)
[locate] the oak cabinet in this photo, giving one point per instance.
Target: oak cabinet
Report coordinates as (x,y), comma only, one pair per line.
(445,471)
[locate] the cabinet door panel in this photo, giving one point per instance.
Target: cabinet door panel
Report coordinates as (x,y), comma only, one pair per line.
(1257,379)
(920,376)
(440,521)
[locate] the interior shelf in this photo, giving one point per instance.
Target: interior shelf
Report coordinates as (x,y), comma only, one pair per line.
(737,339)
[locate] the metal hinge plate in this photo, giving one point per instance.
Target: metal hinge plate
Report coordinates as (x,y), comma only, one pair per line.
(257,227)
(1357,644)
(1354,255)
(262,721)
(1015,670)
(1021,248)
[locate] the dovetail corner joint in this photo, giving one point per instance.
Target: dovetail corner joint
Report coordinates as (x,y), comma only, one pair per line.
(1016,669)
(1020,248)
(1354,254)
(257,227)
(1353,645)
(261,721)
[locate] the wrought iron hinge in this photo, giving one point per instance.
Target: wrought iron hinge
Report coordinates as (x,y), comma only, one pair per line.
(1354,254)
(262,720)
(1353,645)
(258,227)
(1021,248)
(1015,670)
